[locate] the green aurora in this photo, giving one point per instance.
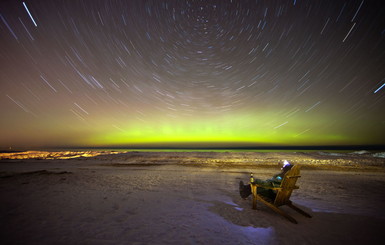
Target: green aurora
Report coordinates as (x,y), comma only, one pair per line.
(192,74)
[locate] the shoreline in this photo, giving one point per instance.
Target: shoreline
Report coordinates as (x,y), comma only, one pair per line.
(361,161)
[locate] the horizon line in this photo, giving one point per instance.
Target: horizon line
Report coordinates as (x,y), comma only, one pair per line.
(212,147)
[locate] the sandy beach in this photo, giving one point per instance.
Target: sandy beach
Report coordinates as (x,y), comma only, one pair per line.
(186,198)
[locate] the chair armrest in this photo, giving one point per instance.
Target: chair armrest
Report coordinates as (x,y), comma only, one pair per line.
(268,187)
(273,188)
(294,176)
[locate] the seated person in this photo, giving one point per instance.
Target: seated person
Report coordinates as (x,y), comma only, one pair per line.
(275,181)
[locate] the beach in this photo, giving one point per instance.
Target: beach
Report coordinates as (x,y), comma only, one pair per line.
(140,197)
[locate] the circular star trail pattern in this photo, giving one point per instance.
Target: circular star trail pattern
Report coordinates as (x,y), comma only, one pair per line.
(193,73)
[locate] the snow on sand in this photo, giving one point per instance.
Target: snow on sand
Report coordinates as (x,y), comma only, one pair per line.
(187,198)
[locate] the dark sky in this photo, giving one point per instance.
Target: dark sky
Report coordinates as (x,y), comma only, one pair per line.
(105,73)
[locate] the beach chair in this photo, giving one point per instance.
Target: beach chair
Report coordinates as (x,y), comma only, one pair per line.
(283,194)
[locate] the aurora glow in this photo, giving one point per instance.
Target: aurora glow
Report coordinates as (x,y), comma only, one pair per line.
(234,73)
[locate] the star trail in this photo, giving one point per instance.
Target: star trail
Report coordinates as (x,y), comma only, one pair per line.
(236,73)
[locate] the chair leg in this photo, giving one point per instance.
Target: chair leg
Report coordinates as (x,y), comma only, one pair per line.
(299,210)
(254,193)
(277,210)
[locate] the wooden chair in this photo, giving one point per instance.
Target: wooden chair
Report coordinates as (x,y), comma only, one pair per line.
(283,194)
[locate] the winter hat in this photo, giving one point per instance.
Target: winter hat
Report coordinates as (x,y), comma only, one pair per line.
(286,165)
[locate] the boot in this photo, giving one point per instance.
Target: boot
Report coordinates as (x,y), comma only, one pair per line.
(244,190)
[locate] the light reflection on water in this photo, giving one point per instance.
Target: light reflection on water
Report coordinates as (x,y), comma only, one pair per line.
(236,207)
(256,235)
(259,235)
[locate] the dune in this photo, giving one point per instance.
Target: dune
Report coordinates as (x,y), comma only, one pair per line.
(187,198)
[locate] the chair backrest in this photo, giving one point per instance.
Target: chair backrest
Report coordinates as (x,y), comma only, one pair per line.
(287,185)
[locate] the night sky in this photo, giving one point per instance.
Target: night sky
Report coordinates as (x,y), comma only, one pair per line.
(131,73)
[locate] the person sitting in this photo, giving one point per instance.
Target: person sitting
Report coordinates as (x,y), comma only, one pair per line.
(275,181)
